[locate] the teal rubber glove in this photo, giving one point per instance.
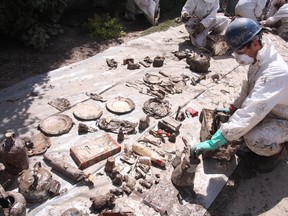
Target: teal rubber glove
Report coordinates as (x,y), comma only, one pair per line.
(216,141)
(224,110)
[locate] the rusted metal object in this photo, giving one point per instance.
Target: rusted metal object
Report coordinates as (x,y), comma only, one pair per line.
(198,62)
(65,168)
(184,174)
(12,203)
(13,153)
(36,184)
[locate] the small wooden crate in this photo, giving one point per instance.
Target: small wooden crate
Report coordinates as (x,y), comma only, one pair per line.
(93,151)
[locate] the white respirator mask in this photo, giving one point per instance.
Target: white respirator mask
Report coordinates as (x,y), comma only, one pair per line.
(243,59)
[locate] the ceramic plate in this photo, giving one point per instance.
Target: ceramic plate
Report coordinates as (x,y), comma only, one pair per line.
(120,105)
(56,124)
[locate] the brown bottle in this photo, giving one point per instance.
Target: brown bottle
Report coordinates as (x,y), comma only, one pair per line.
(13,153)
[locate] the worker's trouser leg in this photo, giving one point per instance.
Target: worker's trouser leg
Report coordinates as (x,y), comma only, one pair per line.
(219,24)
(267,137)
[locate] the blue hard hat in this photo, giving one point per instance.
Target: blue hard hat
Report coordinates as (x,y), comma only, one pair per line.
(241,31)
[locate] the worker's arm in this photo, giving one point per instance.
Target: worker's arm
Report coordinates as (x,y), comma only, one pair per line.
(209,19)
(216,141)
(189,7)
(269,89)
(259,7)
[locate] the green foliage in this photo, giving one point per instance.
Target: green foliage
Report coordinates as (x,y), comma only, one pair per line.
(104,27)
(33,21)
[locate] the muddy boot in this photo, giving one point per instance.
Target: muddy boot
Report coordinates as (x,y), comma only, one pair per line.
(267,164)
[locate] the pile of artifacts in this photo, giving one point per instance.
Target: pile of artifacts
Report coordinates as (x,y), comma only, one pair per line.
(155,148)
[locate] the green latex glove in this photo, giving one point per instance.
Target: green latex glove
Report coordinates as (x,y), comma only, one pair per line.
(216,141)
(225,110)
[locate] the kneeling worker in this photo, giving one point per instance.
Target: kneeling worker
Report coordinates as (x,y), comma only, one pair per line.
(262,114)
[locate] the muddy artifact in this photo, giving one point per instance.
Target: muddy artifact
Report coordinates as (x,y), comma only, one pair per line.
(95,96)
(111,63)
(133,66)
(13,153)
(114,125)
(211,121)
(120,105)
(152,78)
(91,151)
(110,164)
(56,124)
(103,201)
(83,129)
(12,203)
(74,212)
(36,184)
(60,103)
(198,62)
(68,170)
(157,108)
(170,125)
(37,144)
(127,60)
(216,44)
(144,123)
(158,61)
(120,136)
(184,174)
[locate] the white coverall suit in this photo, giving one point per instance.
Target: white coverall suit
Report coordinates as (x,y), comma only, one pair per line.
(205,13)
(274,15)
(262,114)
(252,9)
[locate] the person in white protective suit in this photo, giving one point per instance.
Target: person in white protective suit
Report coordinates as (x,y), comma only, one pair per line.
(150,8)
(200,18)
(252,9)
(261,110)
(277,16)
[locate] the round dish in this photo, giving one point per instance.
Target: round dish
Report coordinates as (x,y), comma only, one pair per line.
(120,105)
(56,124)
(87,111)
(152,78)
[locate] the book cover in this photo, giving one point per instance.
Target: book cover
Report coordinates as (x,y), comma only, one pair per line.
(92,151)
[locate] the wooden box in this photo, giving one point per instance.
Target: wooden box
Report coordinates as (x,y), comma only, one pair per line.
(93,151)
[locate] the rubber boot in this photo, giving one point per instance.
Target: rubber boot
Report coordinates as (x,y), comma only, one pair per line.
(267,164)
